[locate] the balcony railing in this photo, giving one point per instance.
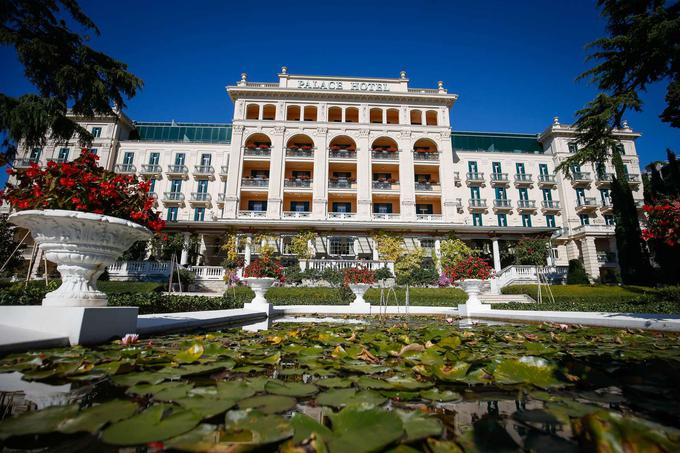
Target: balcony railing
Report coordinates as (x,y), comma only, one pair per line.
(57,160)
(427,187)
(502,203)
(177,169)
(606,204)
(385,185)
(151,169)
(580,177)
(426,156)
(587,202)
(125,168)
(296,214)
(475,177)
(429,217)
(255,182)
(384,155)
(173,196)
(477,203)
(299,152)
(526,204)
(381,216)
(633,179)
(547,179)
(200,196)
(302,183)
(342,215)
(25,163)
(252,214)
(604,178)
(340,184)
(204,170)
(500,178)
(257,152)
(342,154)
(550,204)
(523,178)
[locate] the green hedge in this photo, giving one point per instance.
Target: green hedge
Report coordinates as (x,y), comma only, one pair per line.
(172,303)
(433,297)
(584,293)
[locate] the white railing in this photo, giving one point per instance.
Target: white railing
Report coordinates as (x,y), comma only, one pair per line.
(321,265)
(252,214)
(138,270)
(429,217)
(208,272)
(342,215)
(296,214)
(379,216)
(526,274)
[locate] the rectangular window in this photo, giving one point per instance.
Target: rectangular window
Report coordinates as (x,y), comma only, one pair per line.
(543,169)
(206,160)
(343,207)
(502,220)
(128,158)
(176,185)
(299,206)
(605,197)
(501,193)
(474,193)
(382,208)
(550,221)
(425,209)
(286,245)
(427,244)
(301,174)
(609,220)
(476,219)
(152,187)
(172,214)
(547,195)
(259,174)
(35,154)
(93,151)
(203,186)
(520,168)
(154,158)
(257,205)
(580,194)
(96,132)
(180,158)
(199,214)
(63,154)
(496,167)
(526,220)
(572,147)
(585,219)
(341,246)
(384,176)
(472,166)
(523,193)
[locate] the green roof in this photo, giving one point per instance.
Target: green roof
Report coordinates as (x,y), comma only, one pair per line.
(183,132)
(490,142)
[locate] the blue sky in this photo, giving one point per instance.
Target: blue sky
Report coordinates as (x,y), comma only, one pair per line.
(513,64)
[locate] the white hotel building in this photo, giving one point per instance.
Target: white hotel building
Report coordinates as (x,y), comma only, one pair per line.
(346,156)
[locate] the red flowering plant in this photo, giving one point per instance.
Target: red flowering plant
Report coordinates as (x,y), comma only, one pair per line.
(357,275)
(82,185)
(265,268)
(472,267)
(663,222)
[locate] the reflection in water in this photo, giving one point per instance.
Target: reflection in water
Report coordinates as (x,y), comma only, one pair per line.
(16,392)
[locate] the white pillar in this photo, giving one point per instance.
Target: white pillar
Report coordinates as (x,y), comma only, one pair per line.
(184,258)
(246,258)
(496,255)
(589,251)
(376,255)
(202,251)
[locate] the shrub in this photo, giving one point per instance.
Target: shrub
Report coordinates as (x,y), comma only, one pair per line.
(453,251)
(293,274)
(576,274)
(435,297)
(332,276)
(424,276)
(264,268)
(310,296)
(471,267)
(383,273)
(358,275)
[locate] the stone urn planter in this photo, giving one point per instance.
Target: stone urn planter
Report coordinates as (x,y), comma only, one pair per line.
(359,303)
(259,285)
(82,245)
(472,287)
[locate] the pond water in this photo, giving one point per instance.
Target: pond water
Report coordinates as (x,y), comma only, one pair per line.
(351,384)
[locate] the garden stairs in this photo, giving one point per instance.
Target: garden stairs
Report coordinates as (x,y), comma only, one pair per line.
(518,275)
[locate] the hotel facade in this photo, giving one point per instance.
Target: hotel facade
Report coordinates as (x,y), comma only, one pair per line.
(347,157)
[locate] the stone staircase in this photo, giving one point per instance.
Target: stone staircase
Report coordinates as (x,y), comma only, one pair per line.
(505,298)
(517,275)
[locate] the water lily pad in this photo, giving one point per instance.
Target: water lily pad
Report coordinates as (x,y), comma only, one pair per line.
(159,422)
(268,360)
(207,407)
(165,391)
(335,382)
(36,422)
(451,373)
(234,390)
(265,429)
(94,418)
(298,389)
(527,370)
(343,397)
(203,438)
(305,425)
(268,404)
(440,395)
(126,380)
(443,446)
(419,426)
(359,429)
(190,355)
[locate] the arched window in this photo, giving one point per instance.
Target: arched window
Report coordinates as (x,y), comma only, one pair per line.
(431,118)
(300,142)
(392,116)
(253,112)
(351,115)
(293,113)
(384,144)
(342,142)
(376,115)
(416,117)
(269,112)
(310,113)
(334,114)
(258,141)
(425,145)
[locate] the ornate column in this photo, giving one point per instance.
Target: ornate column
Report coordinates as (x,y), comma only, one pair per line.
(235,170)
(407,185)
(363,170)
(184,257)
(446,170)
(277,167)
(320,183)
(590,262)
(246,255)
(496,255)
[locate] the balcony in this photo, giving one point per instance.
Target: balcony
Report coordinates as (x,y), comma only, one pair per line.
(224,171)
(25,163)
(380,216)
(346,184)
(296,214)
(300,153)
(428,187)
(580,178)
(550,205)
(501,204)
(429,217)
(252,214)
(606,205)
(177,170)
(523,179)
(173,198)
(586,204)
(425,156)
(255,183)
(378,154)
(547,180)
(200,198)
(478,204)
(499,179)
(526,205)
(342,154)
(298,183)
(474,178)
(342,215)
(633,180)
(151,169)
(456,178)
(385,185)
(125,169)
(604,179)
(257,152)
(204,170)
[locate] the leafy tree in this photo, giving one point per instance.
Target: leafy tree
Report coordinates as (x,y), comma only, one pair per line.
(531,251)
(299,244)
(10,255)
(453,250)
(67,73)
(407,267)
(390,246)
(576,274)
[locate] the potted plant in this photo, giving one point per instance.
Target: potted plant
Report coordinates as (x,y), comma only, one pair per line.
(83,218)
(470,273)
(260,275)
(359,279)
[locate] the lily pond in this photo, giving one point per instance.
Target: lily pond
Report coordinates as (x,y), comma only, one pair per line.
(422,384)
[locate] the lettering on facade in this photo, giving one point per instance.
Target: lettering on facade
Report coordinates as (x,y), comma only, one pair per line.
(341,86)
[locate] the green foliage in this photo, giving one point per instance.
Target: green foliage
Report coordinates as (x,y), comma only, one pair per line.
(390,245)
(293,275)
(9,247)
(531,251)
(383,273)
(309,296)
(332,276)
(299,244)
(433,297)
(408,266)
(230,245)
(136,252)
(453,251)
(576,274)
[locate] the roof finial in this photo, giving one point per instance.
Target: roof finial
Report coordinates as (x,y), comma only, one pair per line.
(284,70)
(625,124)
(402,74)
(556,120)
